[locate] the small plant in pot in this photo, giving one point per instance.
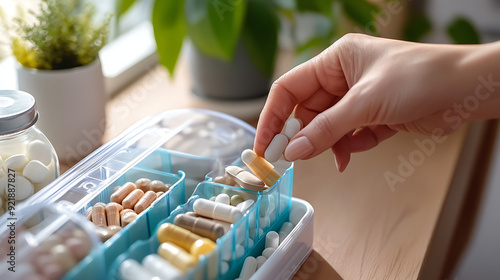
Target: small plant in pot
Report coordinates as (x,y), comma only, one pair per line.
(59,65)
(234,42)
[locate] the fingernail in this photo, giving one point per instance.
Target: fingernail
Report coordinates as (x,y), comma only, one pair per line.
(337,163)
(299,149)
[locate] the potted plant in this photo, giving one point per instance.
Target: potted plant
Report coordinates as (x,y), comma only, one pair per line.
(59,65)
(234,42)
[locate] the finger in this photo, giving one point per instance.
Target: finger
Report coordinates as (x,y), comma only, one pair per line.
(319,102)
(328,127)
(369,137)
(289,90)
(295,87)
(342,152)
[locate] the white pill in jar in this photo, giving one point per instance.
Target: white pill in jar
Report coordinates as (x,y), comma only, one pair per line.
(25,152)
(35,171)
(40,151)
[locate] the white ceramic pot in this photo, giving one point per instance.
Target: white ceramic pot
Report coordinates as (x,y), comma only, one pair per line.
(71,104)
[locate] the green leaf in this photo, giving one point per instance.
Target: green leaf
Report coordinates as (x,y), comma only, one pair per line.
(260,35)
(462,31)
(215,26)
(362,12)
(416,28)
(169,28)
(124,5)
(315,6)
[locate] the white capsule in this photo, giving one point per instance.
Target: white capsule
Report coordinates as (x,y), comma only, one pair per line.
(218,211)
(272,240)
(213,198)
(268,252)
(296,215)
(276,148)
(1,162)
(22,188)
(264,222)
(157,266)
(35,171)
(292,127)
(249,268)
(260,261)
(250,243)
(15,162)
(239,251)
(40,151)
(132,270)
(224,267)
(223,198)
(245,205)
(285,230)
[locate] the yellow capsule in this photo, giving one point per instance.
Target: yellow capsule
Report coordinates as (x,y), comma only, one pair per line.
(260,167)
(177,256)
(185,239)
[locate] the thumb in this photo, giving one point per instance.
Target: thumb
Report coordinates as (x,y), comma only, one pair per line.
(326,129)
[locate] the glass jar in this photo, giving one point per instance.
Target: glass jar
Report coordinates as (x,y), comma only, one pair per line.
(27,159)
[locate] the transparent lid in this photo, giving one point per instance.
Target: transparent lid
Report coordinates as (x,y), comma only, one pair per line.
(17,111)
(214,138)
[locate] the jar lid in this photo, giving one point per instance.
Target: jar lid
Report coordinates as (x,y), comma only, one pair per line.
(17,111)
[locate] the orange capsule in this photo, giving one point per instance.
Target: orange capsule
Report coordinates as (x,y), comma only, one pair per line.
(119,195)
(143,184)
(99,215)
(127,216)
(146,200)
(158,186)
(132,198)
(113,213)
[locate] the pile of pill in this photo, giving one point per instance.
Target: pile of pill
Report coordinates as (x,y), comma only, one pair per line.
(56,255)
(272,241)
(278,145)
(126,203)
(33,170)
(191,235)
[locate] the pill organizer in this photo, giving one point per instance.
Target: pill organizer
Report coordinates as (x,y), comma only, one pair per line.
(184,148)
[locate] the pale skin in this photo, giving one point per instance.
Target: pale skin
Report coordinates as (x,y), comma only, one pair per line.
(362,90)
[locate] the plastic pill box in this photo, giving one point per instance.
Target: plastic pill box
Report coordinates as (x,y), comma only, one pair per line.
(186,149)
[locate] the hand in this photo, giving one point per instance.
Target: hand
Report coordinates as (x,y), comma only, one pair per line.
(362,90)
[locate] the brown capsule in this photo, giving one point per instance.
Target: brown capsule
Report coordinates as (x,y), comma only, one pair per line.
(226,226)
(128,217)
(203,227)
(158,194)
(113,213)
(132,198)
(99,215)
(143,184)
(119,195)
(146,200)
(158,186)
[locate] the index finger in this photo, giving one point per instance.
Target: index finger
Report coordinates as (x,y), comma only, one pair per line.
(289,90)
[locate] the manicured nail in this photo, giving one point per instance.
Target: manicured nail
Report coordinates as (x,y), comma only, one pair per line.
(337,163)
(299,149)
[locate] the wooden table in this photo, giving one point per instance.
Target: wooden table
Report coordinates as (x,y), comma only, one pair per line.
(364,229)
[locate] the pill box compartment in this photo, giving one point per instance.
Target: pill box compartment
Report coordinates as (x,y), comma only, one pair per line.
(182,146)
(246,237)
(45,236)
